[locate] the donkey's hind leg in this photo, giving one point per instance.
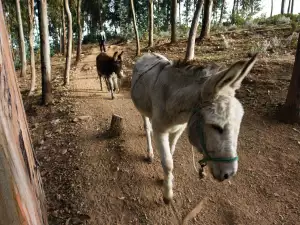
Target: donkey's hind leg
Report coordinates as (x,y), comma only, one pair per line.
(148,129)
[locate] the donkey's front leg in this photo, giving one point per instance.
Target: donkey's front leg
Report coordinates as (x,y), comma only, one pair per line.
(163,145)
(148,129)
(174,138)
(111,87)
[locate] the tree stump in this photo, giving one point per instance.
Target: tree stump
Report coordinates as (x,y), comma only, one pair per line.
(116,126)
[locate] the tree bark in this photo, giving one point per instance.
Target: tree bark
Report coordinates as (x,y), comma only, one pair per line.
(291,108)
(69,51)
(282,6)
(233,12)
(45,53)
(179,11)
(222,11)
(190,51)
(21,41)
(272,6)
(205,31)
(79,31)
(173,21)
(31,45)
(289,7)
(292,7)
(22,197)
(138,50)
(64,33)
(150,44)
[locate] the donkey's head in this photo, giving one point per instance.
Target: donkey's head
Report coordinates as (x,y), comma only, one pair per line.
(214,127)
(118,64)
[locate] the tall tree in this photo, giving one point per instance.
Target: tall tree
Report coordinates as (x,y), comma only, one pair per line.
(64,33)
(79,30)
(233,12)
(205,31)
(222,11)
(291,109)
(179,11)
(69,50)
(190,51)
(292,7)
(289,7)
(282,6)
(272,6)
(173,21)
(138,50)
(45,52)
(150,16)
(21,40)
(31,45)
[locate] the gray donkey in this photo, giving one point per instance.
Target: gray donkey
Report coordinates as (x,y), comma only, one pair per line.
(171,95)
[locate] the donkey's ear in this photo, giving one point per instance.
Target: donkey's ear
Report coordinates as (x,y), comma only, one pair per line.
(120,57)
(236,84)
(231,78)
(115,56)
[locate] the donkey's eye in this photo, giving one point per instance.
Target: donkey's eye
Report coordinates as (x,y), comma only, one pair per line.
(217,128)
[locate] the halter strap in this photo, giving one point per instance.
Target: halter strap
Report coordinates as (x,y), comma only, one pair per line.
(206,156)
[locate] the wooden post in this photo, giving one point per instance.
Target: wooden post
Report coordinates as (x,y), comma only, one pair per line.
(116,126)
(22,200)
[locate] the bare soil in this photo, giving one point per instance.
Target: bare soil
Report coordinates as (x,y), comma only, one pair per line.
(90,178)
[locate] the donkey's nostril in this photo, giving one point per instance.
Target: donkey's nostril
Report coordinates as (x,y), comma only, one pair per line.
(226,176)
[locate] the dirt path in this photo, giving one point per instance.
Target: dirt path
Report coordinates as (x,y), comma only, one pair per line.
(120,188)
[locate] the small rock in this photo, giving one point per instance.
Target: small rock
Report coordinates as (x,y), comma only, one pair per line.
(276,194)
(54,122)
(64,151)
(75,120)
(84,117)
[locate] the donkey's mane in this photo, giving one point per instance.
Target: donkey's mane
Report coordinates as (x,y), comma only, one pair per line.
(203,70)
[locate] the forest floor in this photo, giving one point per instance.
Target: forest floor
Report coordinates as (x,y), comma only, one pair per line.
(92,179)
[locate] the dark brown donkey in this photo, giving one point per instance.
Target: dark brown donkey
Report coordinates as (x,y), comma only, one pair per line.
(111,68)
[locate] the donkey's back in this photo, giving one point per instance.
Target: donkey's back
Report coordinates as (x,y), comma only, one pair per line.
(144,79)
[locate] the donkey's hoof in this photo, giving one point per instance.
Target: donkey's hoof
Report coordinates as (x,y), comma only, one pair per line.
(149,159)
(167,201)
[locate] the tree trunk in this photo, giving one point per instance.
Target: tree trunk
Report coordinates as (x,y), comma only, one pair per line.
(237,6)
(22,197)
(150,44)
(222,11)
(179,11)
(69,51)
(45,53)
(21,41)
(31,45)
(173,21)
(291,109)
(233,12)
(79,31)
(272,6)
(289,7)
(205,31)
(190,51)
(292,7)
(282,6)
(138,50)
(64,33)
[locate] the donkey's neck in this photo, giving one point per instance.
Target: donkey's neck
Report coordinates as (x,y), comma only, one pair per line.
(185,97)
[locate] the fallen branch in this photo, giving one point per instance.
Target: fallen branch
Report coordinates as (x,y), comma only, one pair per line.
(192,214)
